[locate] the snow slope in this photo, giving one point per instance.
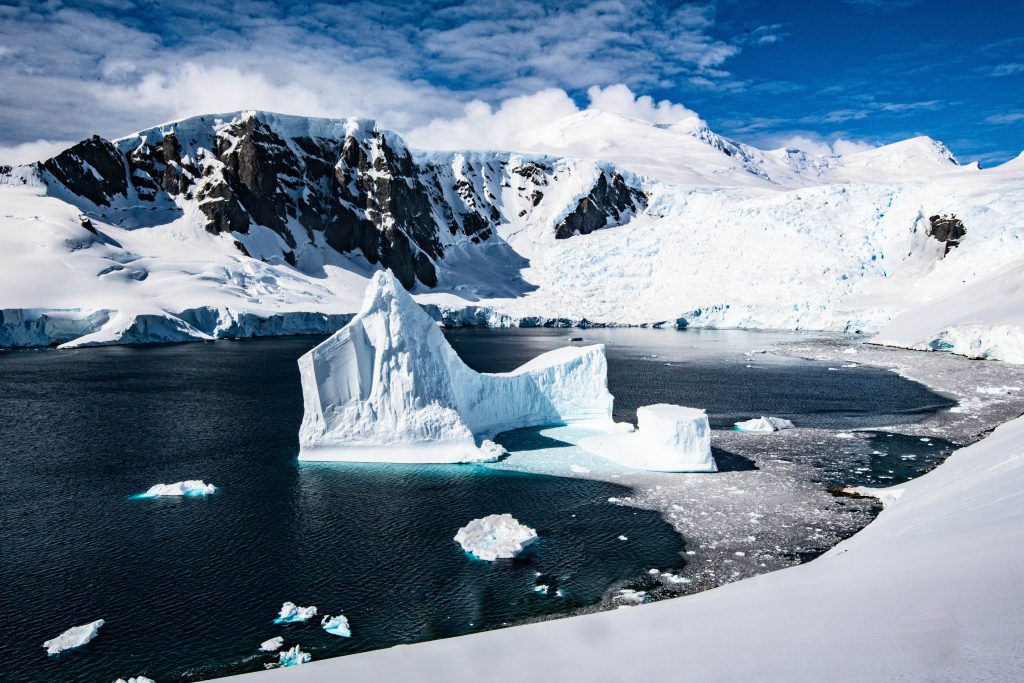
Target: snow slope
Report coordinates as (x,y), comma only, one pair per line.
(389,388)
(931,590)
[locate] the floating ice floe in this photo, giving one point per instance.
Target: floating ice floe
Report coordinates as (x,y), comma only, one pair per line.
(388,387)
(763,424)
(294,657)
(336,626)
(272,645)
(668,438)
(674,578)
(628,595)
(135,679)
(76,636)
(495,536)
(290,613)
(191,487)
(541,588)
(997,391)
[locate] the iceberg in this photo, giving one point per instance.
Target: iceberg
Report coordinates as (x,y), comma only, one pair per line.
(294,657)
(272,645)
(388,387)
(495,536)
(135,679)
(337,626)
(76,636)
(191,487)
(763,424)
(668,438)
(290,613)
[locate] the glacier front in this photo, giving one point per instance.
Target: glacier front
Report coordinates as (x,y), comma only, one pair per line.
(387,387)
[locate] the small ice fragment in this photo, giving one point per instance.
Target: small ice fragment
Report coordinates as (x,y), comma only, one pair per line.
(495,536)
(578,469)
(844,435)
(925,439)
(653,572)
(541,588)
(337,626)
(834,369)
(272,645)
(290,612)
(675,578)
(135,679)
(294,657)
(623,538)
(190,487)
(631,596)
(740,553)
(492,452)
(76,636)
(763,424)
(850,350)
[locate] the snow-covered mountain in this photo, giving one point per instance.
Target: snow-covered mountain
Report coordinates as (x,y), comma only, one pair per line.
(257,223)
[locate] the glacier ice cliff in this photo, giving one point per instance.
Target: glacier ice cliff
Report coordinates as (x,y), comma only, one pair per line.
(389,388)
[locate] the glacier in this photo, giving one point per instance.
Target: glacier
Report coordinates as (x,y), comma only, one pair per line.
(336,626)
(495,537)
(190,488)
(76,636)
(388,387)
(668,438)
(291,613)
(763,424)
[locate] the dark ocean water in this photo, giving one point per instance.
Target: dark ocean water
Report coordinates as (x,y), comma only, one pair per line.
(189,587)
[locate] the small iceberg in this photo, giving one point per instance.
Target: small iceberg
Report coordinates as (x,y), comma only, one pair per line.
(135,679)
(495,537)
(272,645)
(291,613)
(191,487)
(668,438)
(491,452)
(294,657)
(76,636)
(763,424)
(336,626)
(630,596)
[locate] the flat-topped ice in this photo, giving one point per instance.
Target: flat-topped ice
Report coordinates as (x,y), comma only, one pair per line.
(495,537)
(76,636)
(763,424)
(388,387)
(668,438)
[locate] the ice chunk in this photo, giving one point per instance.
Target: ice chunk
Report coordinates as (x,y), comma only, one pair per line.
(850,350)
(135,679)
(272,645)
(191,487)
(668,438)
(491,452)
(495,536)
(623,538)
(290,612)
(336,626)
(294,657)
(76,636)
(387,387)
(763,424)
(631,596)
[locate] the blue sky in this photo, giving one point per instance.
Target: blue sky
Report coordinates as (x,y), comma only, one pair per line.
(863,72)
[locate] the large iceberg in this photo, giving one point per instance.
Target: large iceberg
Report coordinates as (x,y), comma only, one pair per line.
(76,636)
(387,387)
(668,438)
(191,487)
(495,536)
(763,424)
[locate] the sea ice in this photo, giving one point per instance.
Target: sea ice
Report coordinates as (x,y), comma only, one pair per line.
(763,424)
(272,645)
(336,626)
(388,387)
(290,612)
(495,536)
(76,636)
(294,657)
(668,438)
(191,487)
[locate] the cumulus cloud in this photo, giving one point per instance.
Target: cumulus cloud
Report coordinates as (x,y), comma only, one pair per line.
(817,145)
(29,152)
(481,126)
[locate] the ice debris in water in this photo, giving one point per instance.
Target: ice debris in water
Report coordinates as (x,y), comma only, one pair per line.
(336,626)
(135,679)
(290,612)
(763,424)
(997,391)
(623,538)
(388,387)
(294,657)
(495,536)
(272,645)
(191,487)
(76,636)
(668,438)
(631,596)
(491,452)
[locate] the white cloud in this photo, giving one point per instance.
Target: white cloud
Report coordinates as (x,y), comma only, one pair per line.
(619,99)
(1005,119)
(813,144)
(29,152)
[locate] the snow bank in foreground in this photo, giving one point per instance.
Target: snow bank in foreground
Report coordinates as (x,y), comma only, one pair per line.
(272,645)
(495,536)
(763,424)
(668,438)
(336,626)
(76,636)
(387,387)
(931,590)
(290,612)
(191,487)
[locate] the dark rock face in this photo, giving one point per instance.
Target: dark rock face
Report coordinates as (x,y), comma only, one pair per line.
(346,184)
(606,205)
(947,229)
